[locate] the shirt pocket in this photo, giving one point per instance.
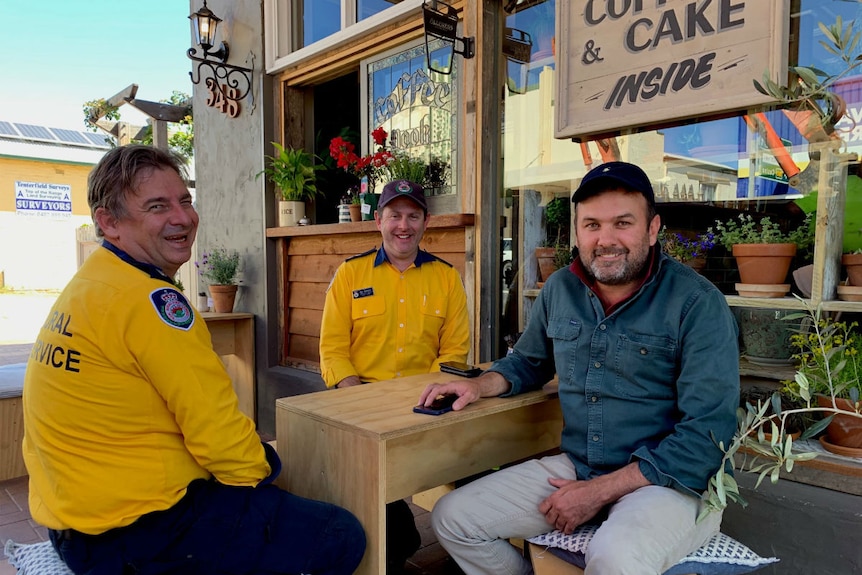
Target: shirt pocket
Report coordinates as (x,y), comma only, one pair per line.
(645,366)
(434,307)
(564,334)
(367,307)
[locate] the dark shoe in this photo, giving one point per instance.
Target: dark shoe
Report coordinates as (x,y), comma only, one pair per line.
(402,537)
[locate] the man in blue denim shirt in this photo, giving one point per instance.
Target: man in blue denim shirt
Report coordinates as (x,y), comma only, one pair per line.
(648,364)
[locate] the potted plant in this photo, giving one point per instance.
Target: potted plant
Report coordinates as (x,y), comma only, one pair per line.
(687,250)
(292,170)
(555,253)
(852,262)
(219,268)
(763,251)
(367,169)
(826,385)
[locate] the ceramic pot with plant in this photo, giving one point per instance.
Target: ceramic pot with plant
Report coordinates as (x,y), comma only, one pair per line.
(368,169)
(830,376)
(691,251)
(219,268)
(292,170)
(555,251)
(763,252)
(852,262)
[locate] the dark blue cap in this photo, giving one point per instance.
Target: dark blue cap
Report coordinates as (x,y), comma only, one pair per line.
(614,174)
(402,188)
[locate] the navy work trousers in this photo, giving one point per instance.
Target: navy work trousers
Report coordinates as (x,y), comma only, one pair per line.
(219,529)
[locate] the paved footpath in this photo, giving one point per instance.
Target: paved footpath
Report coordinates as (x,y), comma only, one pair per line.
(21,315)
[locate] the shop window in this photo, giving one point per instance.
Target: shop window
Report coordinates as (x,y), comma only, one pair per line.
(320,18)
(366,8)
(419,110)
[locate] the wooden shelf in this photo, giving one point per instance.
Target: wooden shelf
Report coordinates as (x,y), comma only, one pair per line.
(441,221)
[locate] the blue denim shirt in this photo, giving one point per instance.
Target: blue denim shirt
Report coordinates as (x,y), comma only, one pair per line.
(651,382)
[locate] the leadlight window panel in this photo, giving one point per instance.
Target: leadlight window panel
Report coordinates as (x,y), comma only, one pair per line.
(418,108)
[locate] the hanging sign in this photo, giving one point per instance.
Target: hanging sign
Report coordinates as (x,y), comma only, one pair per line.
(638,64)
(43,199)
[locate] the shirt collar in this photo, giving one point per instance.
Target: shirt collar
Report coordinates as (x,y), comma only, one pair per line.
(149,269)
(422,257)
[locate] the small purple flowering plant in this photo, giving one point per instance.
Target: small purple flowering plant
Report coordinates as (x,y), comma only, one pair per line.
(682,248)
(219,267)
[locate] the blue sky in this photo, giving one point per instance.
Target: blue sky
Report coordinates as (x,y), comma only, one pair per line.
(57,54)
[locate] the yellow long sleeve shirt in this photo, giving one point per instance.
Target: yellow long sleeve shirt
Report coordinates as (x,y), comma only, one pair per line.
(381,323)
(125,403)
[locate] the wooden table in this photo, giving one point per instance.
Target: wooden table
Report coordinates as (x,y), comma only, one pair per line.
(362,447)
(233,341)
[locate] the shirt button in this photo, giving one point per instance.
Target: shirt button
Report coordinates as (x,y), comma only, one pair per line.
(595,438)
(365,311)
(400,350)
(398,373)
(603,327)
(400,325)
(594,399)
(597,365)
(437,311)
(401,300)
(643,351)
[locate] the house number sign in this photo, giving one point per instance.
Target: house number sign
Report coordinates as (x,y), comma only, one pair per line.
(223,98)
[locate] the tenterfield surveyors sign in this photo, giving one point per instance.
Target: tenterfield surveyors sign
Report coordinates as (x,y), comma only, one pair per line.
(641,63)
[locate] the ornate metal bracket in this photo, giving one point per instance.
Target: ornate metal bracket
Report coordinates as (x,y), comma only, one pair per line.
(234,82)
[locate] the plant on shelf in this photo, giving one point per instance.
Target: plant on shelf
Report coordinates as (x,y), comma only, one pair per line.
(219,267)
(763,251)
(555,253)
(292,170)
(684,249)
(831,349)
(371,166)
(404,167)
(436,173)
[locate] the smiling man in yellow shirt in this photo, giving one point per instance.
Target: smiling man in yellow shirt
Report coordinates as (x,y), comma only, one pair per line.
(391,312)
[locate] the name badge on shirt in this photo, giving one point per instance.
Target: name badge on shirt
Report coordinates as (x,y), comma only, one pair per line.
(364,292)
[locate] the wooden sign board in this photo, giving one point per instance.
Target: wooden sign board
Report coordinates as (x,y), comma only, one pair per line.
(637,64)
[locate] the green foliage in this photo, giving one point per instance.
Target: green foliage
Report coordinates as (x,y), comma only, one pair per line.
(403,167)
(562,256)
(768,455)
(746,230)
(558,215)
(811,88)
(293,171)
(830,361)
(683,249)
(219,267)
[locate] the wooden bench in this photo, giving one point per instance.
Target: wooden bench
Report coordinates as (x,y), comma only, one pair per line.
(11,421)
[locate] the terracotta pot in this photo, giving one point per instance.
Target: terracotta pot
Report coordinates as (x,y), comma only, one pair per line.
(697,264)
(845,430)
(763,263)
(355,212)
(853,264)
(545,259)
(223,297)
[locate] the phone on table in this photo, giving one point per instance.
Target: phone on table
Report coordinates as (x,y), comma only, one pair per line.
(439,406)
(459,368)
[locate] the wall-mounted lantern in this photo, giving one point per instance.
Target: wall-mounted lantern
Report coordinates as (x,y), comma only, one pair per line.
(441,22)
(231,82)
(517,46)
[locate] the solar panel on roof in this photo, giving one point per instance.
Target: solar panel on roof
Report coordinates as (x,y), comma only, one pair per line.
(69,136)
(7,130)
(32,131)
(98,139)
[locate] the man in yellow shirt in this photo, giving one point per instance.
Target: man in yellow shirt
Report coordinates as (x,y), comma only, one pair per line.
(391,312)
(139,458)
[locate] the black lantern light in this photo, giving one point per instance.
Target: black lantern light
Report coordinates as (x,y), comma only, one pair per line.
(233,82)
(441,22)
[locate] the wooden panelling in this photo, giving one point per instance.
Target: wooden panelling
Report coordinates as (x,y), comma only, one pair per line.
(305,322)
(313,268)
(305,348)
(308,295)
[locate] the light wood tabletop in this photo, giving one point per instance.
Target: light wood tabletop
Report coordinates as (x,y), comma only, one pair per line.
(362,447)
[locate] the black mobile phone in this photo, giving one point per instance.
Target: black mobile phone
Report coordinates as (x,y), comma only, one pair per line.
(458,368)
(439,406)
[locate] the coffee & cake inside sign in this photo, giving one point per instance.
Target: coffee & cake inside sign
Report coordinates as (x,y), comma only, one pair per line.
(636,64)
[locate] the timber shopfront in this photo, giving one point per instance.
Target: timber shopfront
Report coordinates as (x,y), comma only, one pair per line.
(549,90)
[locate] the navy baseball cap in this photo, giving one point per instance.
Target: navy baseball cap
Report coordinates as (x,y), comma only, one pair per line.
(610,174)
(402,188)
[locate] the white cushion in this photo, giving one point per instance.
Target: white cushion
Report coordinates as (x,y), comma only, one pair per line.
(721,555)
(36,559)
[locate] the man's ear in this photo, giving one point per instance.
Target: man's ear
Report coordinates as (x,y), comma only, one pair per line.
(106,222)
(654,227)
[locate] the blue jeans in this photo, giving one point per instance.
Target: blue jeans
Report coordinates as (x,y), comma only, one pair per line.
(219,529)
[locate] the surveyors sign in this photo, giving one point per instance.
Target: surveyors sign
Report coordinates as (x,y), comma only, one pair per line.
(41,199)
(629,64)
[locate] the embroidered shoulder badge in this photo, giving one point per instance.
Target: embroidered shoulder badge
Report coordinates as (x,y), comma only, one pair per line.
(172,307)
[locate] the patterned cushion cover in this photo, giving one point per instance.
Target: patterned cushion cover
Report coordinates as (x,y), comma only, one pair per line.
(721,555)
(35,559)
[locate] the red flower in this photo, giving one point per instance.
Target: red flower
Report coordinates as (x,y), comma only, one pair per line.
(366,166)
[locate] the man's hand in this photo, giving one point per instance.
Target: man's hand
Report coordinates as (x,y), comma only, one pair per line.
(576,502)
(489,384)
(349,381)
